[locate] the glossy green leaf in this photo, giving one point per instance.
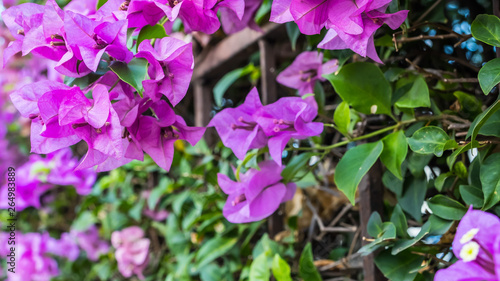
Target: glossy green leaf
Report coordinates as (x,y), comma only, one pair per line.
(404,244)
(354,165)
(227,80)
(342,118)
(213,249)
(259,270)
(439,226)
(486,28)
(417,95)
(490,180)
(307,269)
(132,73)
(429,140)
(398,218)
(469,104)
(100,3)
(492,126)
(375,225)
(151,32)
(446,208)
(489,75)
(394,153)
(363,86)
(402,267)
(481,119)
(413,196)
(472,195)
(280,269)
(295,165)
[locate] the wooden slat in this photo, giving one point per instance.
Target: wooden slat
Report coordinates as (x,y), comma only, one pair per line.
(371,194)
(232,50)
(268,70)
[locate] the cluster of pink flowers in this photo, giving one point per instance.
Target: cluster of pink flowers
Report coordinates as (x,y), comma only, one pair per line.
(351,24)
(34,252)
(132,251)
(40,174)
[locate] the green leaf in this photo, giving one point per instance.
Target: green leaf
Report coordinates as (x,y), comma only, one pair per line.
(486,28)
(398,218)
(439,226)
(295,165)
(394,153)
(213,249)
(489,75)
(307,270)
(492,126)
(417,96)
(259,270)
(375,225)
(132,73)
(404,244)
(468,103)
(401,267)
(413,196)
(363,86)
(84,221)
(227,80)
(472,195)
(292,29)
(429,140)
(381,240)
(281,269)
(354,165)
(342,118)
(100,3)
(446,208)
(490,180)
(481,120)
(150,32)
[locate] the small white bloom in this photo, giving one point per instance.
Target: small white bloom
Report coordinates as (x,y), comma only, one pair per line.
(469,235)
(469,251)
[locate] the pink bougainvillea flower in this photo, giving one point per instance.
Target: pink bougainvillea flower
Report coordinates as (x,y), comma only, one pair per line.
(89,241)
(252,125)
(237,128)
(232,23)
(146,12)
(64,172)
(96,122)
(257,195)
(196,15)
(132,251)
(20,20)
(312,15)
(305,70)
(157,135)
(289,117)
(477,245)
(34,261)
(363,43)
(90,39)
(170,70)
(64,247)
(40,102)
(39,175)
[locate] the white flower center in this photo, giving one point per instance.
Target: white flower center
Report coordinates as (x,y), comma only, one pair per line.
(469,235)
(469,251)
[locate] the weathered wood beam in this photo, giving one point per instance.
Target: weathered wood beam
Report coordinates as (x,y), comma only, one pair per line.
(371,194)
(232,50)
